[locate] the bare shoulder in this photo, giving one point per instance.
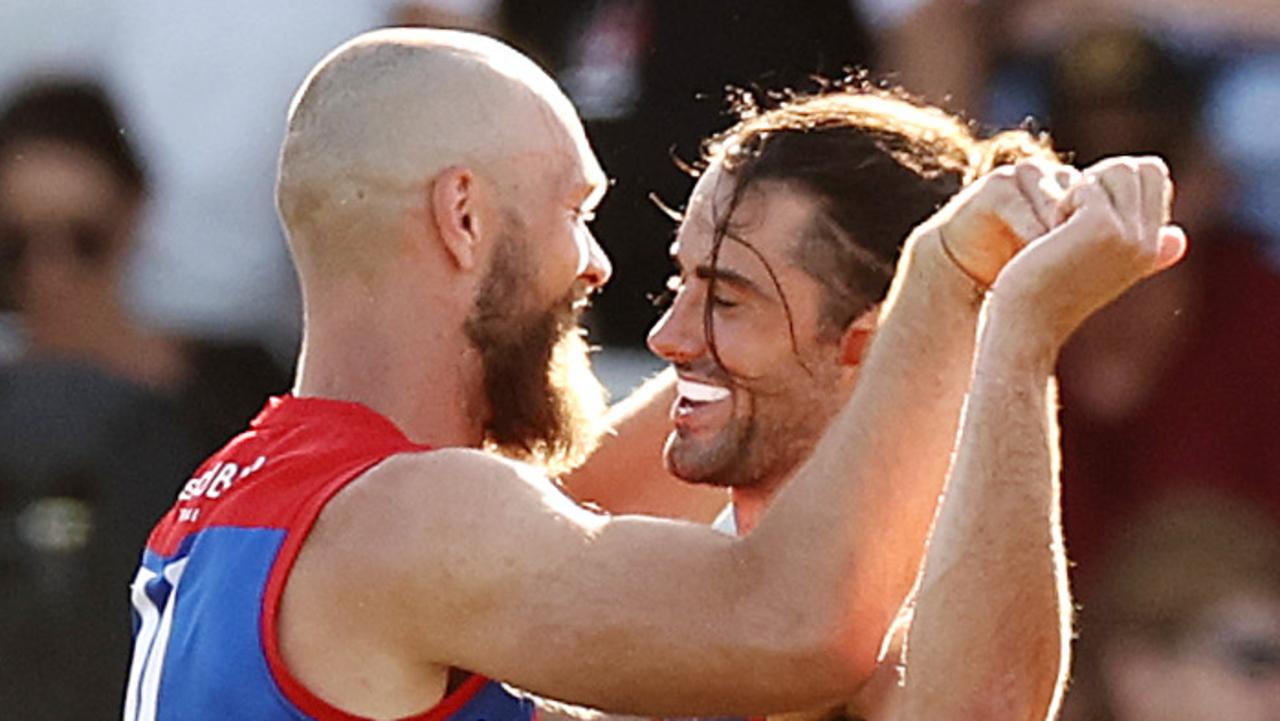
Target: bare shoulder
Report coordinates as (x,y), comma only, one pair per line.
(416,537)
(438,519)
(431,500)
(451,486)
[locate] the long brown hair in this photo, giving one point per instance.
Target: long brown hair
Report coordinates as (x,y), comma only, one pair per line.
(877,161)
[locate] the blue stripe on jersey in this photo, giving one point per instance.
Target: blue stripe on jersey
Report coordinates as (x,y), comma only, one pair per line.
(495,703)
(214,665)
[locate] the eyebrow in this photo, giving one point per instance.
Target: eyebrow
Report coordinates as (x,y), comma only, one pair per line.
(732,277)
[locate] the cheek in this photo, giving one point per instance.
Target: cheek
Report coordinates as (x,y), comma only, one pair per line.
(750,346)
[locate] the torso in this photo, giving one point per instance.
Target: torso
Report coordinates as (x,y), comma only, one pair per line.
(206,599)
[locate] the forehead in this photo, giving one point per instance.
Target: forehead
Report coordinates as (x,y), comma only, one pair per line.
(582,167)
(47,181)
(771,216)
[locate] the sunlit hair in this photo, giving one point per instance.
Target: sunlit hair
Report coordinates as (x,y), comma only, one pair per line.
(878,163)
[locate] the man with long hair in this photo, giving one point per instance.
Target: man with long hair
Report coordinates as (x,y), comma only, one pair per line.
(786,253)
(370,549)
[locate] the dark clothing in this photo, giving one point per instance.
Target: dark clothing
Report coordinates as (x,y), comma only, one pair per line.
(87,464)
(227,386)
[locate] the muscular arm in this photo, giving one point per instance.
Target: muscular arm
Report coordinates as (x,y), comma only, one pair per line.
(991,630)
(484,563)
(481,564)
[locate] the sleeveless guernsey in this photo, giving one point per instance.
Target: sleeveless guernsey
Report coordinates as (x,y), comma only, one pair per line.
(206,594)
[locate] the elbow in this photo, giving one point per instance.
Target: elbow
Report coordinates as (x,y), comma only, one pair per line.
(849,659)
(855,635)
(833,655)
(855,648)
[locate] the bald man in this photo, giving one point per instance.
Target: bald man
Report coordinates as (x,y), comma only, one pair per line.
(375,545)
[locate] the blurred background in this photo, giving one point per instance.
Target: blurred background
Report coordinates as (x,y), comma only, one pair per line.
(147,306)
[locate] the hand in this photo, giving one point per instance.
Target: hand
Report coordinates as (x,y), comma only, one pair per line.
(988,222)
(1114,232)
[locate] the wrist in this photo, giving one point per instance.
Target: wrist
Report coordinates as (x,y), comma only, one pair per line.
(1012,332)
(933,264)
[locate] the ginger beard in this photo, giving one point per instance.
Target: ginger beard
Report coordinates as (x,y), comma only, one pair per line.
(546,406)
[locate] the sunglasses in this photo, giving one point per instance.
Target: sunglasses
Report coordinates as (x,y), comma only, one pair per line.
(86,243)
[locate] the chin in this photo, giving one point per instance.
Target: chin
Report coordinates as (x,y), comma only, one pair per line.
(706,464)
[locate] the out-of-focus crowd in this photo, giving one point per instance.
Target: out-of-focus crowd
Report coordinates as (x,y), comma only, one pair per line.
(147,307)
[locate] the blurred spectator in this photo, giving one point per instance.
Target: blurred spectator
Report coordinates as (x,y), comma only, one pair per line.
(649,77)
(204,88)
(1196,402)
(1185,624)
(71,194)
(87,464)
(1244,108)
(101,418)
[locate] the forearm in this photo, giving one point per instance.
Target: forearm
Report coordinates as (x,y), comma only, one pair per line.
(855,517)
(991,630)
(627,475)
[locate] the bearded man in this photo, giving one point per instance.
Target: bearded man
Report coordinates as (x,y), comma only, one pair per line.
(785,255)
(363,552)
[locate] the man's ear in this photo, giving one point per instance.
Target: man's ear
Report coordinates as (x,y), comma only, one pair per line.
(856,338)
(452,201)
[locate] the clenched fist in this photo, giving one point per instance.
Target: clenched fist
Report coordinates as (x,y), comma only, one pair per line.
(1111,231)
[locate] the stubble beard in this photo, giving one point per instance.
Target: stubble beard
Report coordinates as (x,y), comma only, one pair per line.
(752,451)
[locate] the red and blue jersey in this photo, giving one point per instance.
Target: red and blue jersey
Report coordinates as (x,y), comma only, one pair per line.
(206,595)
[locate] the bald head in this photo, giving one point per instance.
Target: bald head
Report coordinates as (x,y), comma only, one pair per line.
(383,114)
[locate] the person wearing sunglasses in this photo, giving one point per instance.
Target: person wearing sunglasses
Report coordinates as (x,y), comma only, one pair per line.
(99,413)
(72,195)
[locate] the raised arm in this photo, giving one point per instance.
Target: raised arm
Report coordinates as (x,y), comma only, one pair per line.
(489,564)
(991,628)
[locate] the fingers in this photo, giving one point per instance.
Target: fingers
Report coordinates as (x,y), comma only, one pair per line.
(1157,191)
(1041,189)
(1014,195)
(1172,248)
(1065,176)
(1090,210)
(1120,179)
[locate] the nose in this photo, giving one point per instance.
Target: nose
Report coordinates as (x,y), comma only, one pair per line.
(679,336)
(596,267)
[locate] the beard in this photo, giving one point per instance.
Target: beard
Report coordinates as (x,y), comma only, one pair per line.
(771,433)
(546,406)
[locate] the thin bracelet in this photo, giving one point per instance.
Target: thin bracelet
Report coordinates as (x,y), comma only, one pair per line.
(982,287)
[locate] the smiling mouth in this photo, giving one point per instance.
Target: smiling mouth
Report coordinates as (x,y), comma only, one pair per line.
(695,393)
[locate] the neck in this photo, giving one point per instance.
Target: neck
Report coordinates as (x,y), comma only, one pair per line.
(402,360)
(750,503)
